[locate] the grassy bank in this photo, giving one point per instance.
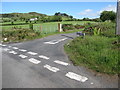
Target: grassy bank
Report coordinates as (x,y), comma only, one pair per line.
(97,52)
(27,34)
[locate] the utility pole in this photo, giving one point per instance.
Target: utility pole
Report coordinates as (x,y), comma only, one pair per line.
(118,18)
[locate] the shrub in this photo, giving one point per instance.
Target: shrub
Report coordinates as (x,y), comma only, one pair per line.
(31,26)
(67,27)
(77,26)
(105,29)
(20,34)
(12,22)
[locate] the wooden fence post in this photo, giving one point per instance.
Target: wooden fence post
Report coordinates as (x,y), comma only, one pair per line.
(59,27)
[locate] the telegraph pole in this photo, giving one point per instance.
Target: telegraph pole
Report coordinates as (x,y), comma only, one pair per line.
(118,18)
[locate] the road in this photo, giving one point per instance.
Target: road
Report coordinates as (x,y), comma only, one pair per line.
(42,63)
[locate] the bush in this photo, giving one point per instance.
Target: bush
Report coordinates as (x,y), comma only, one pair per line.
(105,29)
(77,26)
(12,22)
(31,26)
(20,35)
(66,27)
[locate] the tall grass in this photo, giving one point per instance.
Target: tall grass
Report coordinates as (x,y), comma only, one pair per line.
(98,52)
(95,52)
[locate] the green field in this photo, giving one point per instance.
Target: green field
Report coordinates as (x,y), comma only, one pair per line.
(46,27)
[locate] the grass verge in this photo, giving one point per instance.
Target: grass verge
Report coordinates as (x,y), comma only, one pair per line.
(95,52)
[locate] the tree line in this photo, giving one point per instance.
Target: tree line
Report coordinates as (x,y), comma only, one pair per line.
(57,17)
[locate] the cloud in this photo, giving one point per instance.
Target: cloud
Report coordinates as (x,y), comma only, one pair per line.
(88,10)
(85,12)
(108,8)
(92,13)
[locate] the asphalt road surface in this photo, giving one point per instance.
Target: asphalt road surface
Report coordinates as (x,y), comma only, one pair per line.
(42,63)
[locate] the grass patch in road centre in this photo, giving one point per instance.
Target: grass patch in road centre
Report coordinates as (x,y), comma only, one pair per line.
(96,52)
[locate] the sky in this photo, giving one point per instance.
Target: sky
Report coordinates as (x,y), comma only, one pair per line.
(76,9)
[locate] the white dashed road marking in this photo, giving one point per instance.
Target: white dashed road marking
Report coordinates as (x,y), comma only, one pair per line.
(22,50)
(22,56)
(32,53)
(15,48)
(4,45)
(62,63)
(9,46)
(77,77)
(6,49)
(55,41)
(13,52)
(53,69)
(35,61)
(91,83)
(44,57)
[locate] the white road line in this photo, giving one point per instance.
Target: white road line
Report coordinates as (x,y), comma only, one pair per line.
(9,46)
(49,43)
(4,45)
(44,57)
(35,61)
(53,69)
(55,41)
(32,53)
(77,77)
(15,48)
(22,56)
(6,49)
(13,52)
(22,50)
(91,83)
(61,62)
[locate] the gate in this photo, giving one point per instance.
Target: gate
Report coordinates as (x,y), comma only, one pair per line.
(46,28)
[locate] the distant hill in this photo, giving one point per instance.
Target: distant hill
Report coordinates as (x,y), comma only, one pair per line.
(9,17)
(30,14)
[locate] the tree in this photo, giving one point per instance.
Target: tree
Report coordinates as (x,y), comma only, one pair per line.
(86,19)
(108,15)
(56,18)
(57,14)
(71,17)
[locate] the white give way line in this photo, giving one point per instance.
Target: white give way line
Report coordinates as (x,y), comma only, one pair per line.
(32,53)
(55,41)
(35,61)
(13,52)
(44,57)
(22,56)
(77,77)
(61,62)
(53,69)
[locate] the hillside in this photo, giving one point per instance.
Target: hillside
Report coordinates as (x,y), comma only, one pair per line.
(30,14)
